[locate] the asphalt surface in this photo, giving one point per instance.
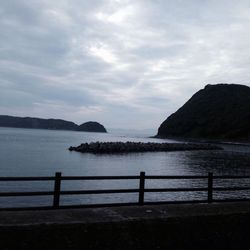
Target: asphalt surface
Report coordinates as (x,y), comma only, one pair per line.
(119,214)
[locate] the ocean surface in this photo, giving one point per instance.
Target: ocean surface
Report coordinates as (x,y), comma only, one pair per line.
(34,152)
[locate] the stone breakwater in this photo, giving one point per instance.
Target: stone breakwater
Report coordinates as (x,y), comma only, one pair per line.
(129,147)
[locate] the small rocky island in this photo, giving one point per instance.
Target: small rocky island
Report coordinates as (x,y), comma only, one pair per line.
(92,127)
(128,147)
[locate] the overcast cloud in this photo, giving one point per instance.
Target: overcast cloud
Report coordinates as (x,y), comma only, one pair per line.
(126,64)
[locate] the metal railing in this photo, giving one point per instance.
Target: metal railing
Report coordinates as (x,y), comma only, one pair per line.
(141,190)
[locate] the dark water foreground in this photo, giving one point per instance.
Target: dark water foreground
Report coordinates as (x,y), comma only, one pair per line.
(34,152)
(128,147)
(189,226)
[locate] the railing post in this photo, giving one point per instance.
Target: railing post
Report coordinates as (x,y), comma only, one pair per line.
(57,189)
(210,188)
(141,188)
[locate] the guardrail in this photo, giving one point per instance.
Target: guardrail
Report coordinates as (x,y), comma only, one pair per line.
(141,190)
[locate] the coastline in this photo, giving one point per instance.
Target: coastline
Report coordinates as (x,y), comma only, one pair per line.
(205,140)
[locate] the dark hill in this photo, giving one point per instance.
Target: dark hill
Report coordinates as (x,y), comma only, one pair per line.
(56,124)
(92,127)
(39,123)
(219,111)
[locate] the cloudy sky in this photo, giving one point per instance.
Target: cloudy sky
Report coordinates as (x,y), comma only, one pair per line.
(126,64)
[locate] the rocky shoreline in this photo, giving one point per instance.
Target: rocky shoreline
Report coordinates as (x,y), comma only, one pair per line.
(129,147)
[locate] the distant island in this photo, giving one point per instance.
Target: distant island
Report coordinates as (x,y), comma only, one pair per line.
(92,127)
(55,124)
(219,112)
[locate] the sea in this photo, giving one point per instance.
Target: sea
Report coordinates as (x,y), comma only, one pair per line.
(35,152)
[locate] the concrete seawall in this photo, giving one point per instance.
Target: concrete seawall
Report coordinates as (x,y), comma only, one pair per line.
(189,226)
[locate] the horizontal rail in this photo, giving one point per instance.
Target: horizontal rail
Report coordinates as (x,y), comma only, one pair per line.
(103,191)
(128,177)
(69,206)
(177,177)
(230,188)
(158,190)
(70,192)
(45,178)
(117,191)
(39,193)
(231,176)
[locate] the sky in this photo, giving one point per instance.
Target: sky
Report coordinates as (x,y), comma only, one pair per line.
(123,63)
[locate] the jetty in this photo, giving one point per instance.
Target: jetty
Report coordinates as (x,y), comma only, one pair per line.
(129,147)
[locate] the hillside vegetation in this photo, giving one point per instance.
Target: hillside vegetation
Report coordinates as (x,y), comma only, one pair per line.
(220,111)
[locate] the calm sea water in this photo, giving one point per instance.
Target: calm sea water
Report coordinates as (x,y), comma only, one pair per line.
(32,152)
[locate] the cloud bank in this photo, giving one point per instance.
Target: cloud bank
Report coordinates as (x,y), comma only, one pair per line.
(126,64)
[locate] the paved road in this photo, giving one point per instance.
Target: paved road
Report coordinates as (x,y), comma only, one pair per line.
(120,214)
(160,227)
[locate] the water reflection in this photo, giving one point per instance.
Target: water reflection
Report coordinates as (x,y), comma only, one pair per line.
(218,162)
(42,153)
